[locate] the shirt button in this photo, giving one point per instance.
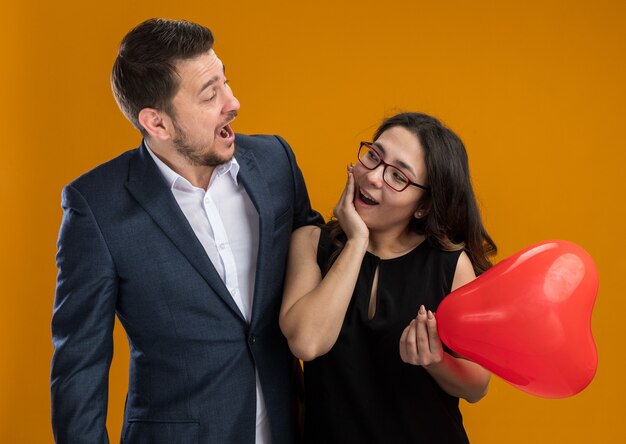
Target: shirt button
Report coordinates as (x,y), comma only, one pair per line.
(222,246)
(251,339)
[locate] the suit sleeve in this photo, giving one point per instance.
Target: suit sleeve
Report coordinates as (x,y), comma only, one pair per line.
(303,213)
(82,326)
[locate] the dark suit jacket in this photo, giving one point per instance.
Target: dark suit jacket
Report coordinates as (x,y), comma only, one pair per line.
(126,248)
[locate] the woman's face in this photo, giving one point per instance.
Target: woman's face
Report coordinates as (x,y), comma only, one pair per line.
(381,207)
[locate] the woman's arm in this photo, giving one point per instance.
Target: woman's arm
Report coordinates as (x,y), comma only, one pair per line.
(420,345)
(313,308)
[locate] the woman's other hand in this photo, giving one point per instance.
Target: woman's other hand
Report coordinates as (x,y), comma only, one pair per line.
(420,343)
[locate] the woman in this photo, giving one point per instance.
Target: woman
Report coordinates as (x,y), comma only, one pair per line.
(361,292)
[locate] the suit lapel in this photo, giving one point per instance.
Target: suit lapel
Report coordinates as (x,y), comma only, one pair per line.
(148,187)
(258,190)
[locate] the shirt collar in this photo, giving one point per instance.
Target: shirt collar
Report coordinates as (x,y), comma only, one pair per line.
(172,177)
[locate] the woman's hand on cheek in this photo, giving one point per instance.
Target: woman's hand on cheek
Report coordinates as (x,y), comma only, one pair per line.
(345,212)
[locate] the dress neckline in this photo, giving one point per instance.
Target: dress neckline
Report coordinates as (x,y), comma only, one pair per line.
(400,257)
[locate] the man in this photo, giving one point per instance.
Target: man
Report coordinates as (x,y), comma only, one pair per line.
(185,238)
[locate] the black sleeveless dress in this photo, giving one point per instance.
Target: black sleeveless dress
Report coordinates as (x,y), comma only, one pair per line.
(360,391)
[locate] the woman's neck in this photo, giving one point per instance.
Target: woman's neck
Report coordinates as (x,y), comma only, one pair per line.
(388,245)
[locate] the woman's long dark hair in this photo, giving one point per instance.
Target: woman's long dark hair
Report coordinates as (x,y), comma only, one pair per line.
(452,221)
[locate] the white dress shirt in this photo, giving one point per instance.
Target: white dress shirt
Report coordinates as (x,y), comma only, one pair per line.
(227,225)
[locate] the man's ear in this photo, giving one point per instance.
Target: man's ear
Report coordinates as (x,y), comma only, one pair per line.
(157,124)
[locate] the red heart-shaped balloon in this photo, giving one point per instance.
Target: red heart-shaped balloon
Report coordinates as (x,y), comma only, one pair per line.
(528,319)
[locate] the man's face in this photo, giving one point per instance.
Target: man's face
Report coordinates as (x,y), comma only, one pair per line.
(203,108)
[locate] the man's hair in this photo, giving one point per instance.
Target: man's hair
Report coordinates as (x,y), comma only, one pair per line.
(144,73)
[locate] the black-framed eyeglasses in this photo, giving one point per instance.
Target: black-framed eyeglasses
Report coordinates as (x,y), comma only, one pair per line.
(393,176)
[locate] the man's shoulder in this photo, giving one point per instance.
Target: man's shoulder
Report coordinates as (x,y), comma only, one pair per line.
(267,150)
(111,172)
(261,142)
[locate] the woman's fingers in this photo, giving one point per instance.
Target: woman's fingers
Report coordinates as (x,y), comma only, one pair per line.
(436,348)
(421,335)
(408,348)
(344,194)
(419,342)
(346,213)
(402,345)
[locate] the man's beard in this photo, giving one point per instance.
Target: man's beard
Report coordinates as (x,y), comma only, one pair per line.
(194,152)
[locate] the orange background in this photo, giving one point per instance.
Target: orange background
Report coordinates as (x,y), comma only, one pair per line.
(536,89)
